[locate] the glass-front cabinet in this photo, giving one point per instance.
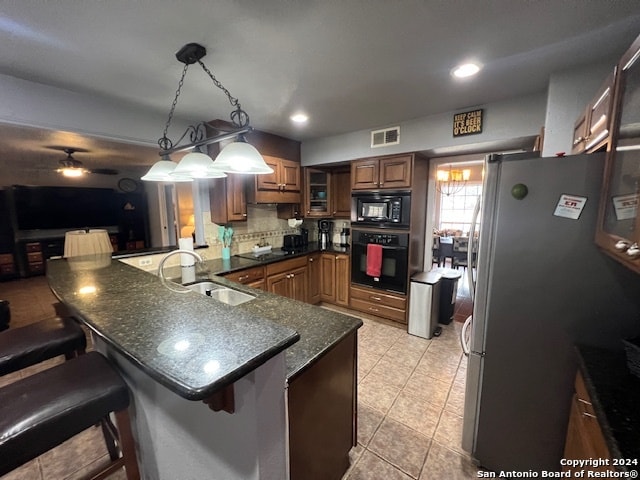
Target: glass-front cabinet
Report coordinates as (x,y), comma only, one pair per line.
(318,185)
(619,217)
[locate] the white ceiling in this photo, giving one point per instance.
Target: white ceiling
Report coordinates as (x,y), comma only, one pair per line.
(350,64)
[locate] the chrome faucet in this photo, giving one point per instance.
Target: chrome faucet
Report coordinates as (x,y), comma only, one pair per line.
(172,253)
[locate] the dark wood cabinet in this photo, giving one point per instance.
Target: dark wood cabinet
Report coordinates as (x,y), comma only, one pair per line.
(281,186)
(591,130)
(385,172)
(322,414)
(288,278)
(248,276)
(392,306)
(618,232)
(584,436)
(335,278)
(327,193)
(341,193)
(314,274)
(227,199)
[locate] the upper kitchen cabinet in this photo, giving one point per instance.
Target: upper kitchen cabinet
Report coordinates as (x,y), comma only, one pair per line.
(591,130)
(619,219)
(384,172)
(283,155)
(327,192)
(281,186)
(227,199)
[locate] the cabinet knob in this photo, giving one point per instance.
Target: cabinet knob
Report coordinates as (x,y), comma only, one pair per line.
(334,212)
(244,214)
(243,278)
(311,259)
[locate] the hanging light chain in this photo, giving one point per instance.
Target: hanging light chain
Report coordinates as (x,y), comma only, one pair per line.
(239,117)
(164,143)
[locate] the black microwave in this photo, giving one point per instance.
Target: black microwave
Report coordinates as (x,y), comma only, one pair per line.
(381,209)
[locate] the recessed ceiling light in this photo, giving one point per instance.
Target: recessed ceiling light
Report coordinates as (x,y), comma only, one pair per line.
(299,118)
(465,70)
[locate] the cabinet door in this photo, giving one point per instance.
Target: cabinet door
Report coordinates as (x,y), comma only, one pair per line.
(236,198)
(279,284)
(619,216)
(328,290)
(599,116)
(290,175)
(341,193)
(364,174)
(580,132)
(270,181)
(395,172)
(259,284)
(315,277)
(318,193)
(343,279)
(298,284)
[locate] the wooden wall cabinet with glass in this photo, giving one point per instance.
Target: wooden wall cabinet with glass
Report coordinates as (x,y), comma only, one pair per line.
(381,172)
(618,232)
(591,130)
(327,192)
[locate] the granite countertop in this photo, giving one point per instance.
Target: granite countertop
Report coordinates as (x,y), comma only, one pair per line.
(144,320)
(615,394)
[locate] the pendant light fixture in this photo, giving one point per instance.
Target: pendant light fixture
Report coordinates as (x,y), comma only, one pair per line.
(449,182)
(236,157)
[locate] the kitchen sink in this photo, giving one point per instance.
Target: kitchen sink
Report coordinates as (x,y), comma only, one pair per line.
(222,294)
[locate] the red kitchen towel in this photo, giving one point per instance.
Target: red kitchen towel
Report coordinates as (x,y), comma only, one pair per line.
(374,260)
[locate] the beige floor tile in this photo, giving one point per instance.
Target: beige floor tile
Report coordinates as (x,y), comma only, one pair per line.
(372,467)
(369,420)
(415,413)
(377,393)
(396,374)
(401,446)
(455,400)
(428,388)
(449,431)
(443,463)
(438,366)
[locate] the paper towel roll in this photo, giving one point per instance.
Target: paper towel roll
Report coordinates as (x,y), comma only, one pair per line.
(293,222)
(186,260)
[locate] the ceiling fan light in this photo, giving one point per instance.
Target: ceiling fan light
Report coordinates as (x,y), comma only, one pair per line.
(241,157)
(71,172)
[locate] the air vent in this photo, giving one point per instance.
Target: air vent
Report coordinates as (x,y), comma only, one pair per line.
(387,136)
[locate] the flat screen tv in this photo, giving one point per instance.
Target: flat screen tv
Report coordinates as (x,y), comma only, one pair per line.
(64,207)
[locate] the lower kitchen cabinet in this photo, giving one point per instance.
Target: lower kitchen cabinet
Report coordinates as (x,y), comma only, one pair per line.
(252,277)
(392,306)
(322,414)
(288,278)
(314,274)
(584,436)
(335,278)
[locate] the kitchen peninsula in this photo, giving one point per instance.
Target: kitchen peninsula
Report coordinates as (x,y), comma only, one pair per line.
(276,363)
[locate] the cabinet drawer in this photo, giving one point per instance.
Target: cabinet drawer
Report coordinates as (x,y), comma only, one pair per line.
(37,267)
(285,265)
(34,257)
(6,259)
(246,276)
(7,269)
(33,247)
(379,298)
(378,309)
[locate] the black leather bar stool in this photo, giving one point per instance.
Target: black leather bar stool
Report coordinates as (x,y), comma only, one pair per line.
(34,343)
(41,411)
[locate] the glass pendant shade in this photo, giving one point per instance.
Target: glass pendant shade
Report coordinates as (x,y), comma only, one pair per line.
(197,165)
(240,157)
(161,172)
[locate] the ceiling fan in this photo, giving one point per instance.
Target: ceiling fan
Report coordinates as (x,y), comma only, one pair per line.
(70,167)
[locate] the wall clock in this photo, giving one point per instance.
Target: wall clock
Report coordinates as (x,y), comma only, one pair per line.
(127,185)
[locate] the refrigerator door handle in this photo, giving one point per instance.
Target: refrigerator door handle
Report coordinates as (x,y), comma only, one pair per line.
(464,342)
(471,248)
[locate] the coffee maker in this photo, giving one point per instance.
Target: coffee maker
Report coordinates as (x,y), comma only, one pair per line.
(324,233)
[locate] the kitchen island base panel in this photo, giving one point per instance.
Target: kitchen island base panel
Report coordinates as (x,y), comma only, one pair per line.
(322,414)
(179,438)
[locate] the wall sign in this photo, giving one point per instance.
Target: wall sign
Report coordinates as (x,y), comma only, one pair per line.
(467,123)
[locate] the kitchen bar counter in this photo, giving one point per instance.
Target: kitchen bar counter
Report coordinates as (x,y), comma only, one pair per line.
(137,315)
(615,394)
(185,341)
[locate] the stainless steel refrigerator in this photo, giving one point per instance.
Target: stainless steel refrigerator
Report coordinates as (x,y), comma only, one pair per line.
(541,287)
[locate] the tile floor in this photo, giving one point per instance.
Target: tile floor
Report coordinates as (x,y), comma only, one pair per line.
(410,401)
